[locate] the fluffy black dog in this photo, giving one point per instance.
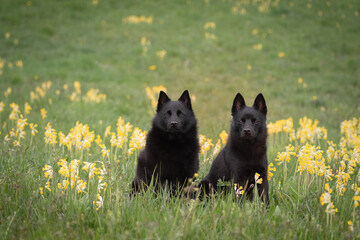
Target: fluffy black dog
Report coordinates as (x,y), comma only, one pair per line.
(171,153)
(245,151)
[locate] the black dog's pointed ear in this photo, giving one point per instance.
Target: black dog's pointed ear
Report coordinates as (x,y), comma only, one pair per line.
(185,98)
(239,103)
(260,104)
(163,98)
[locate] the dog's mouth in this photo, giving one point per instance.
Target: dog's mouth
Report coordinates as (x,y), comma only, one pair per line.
(173,130)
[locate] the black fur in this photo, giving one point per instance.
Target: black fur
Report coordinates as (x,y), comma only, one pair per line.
(171,153)
(245,151)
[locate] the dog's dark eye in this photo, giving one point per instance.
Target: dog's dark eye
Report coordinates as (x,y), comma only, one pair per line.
(253,120)
(242,121)
(179,113)
(168,113)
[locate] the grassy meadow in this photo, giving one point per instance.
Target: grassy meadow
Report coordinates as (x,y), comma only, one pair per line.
(78,84)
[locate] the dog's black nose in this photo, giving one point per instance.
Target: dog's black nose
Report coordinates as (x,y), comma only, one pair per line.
(173,123)
(247,131)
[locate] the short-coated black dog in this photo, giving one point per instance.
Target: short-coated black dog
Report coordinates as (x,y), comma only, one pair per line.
(245,151)
(171,154)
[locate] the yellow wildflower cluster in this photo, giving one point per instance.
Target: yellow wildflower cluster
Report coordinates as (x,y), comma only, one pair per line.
(325,199)
(283,125)
(223,136)
(263,6)
(356,197)
(40,91)
(137,140)
(79,136)
(2,106)
(350,130)
(27,109)
(7,92)
(43,113)
(161,54)
(205,144)
(145,43)
(312,161)
(50,135)
(310,131)
(94,95)
(209,27)
(151,92)
(271,169)
(285,157)
(69,176)
(122,133)
(14,111)
(135,19)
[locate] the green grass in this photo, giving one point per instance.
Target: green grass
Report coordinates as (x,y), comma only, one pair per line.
(68,41)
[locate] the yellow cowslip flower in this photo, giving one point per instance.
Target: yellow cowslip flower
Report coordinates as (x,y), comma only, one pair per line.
(33,96)
(152,67)
(64,169)
(104,150)
(16,143)
(27,108)
(351,227)
(14,112)
(7,35)
(50,135)
(137,140)
(300,80)
(99,202)
(281,54)
(136,20)
(210,25)
(161,54)
(239,191)
(19,63)
(41,191)
(107,131)
(205,144)
(91,169)
(94,95)
(102,186)
(47,186)
(216,149)
(196,175)
(258,179)
(312,161)
(249,67)
(151,92)
(2,106)
(43,113)
(257,46)
(285,157)
(80,186)
(350,131)
(95,2)
(98,140)
(224,136)
(255,31)
(271,169)
(77,87)
(309,131)
(64,184)
(48,171)
(209,35)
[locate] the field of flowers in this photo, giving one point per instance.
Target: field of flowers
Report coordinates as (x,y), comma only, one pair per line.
(77,99)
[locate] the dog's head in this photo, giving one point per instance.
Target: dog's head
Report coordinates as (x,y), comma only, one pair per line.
(174,117)
(249,122)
